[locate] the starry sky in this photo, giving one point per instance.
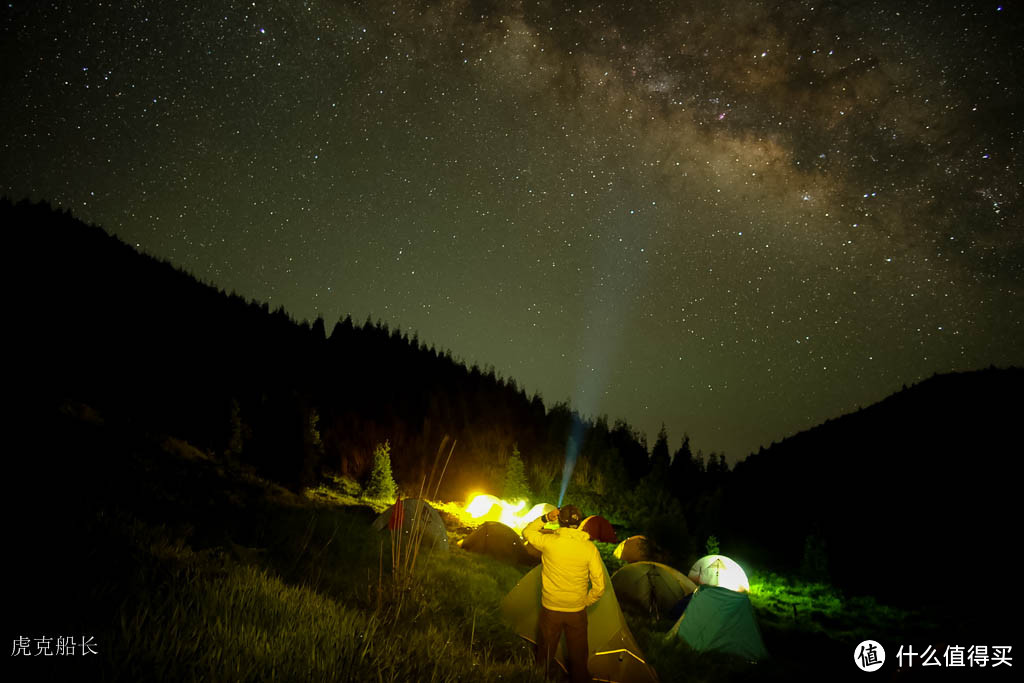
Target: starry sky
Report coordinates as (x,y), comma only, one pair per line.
(736,219)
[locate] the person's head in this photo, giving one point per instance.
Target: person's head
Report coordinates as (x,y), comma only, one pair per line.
(570,516)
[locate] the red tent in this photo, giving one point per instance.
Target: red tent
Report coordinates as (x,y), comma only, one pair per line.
(599,528)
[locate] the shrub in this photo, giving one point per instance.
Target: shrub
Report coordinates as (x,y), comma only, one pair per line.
(814,563)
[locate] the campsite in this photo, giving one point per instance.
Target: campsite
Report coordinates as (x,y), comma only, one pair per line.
(187,567)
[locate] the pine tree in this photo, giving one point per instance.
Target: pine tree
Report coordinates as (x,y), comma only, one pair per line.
(712,545)
(381,485)
(660,455)
(313,446)
(516,486)
(684,473)
(238,431)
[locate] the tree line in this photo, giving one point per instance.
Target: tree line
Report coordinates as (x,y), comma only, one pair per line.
(148,344)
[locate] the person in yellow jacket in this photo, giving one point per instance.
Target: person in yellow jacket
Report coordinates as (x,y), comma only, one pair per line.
(572,579)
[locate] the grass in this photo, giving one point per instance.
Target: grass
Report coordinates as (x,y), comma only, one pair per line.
(244,623)
(183,567)
(203,616)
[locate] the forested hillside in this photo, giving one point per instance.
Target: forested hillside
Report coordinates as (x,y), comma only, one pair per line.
(141,341)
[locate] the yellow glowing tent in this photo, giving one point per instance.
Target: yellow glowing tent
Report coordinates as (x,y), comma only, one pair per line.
(614,654)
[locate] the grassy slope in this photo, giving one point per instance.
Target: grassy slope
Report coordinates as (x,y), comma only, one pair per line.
(182,567)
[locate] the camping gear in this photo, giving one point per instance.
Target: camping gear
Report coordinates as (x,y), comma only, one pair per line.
(722,620)
(500,542)
(651,587)
(633,549)
(614,654)
(719,570)
(599,528)
(415,513)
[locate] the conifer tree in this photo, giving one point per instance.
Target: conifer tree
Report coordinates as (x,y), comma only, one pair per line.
(381,485)
(516,486)
(238,431)
(660,455)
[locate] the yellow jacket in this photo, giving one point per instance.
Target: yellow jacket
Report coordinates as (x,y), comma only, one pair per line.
(570,559)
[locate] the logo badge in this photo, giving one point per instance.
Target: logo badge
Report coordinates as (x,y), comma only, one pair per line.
(869,655)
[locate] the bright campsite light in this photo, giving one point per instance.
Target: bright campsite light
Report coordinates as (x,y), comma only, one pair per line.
(488,508)
(481,505)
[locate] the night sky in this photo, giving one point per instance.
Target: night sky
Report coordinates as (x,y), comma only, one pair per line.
(734,218)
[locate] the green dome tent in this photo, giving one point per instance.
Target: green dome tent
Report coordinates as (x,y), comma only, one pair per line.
(651,587)
(722,620)
(614,654)
(419,513)
(500,542)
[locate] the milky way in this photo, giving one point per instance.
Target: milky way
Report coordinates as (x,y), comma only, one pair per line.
(735,219)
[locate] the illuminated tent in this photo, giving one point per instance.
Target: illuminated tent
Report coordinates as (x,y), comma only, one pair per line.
(599,528)
(633,549)
(719,570)
(722,620)
(614,654)
(417,514)
(500,542)
(651,587)
(536,511)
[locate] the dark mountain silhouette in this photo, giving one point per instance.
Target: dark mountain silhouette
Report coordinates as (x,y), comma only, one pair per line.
(907,498)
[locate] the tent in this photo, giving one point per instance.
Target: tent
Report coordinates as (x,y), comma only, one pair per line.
(719,570)
(499,541)
(722,620)
(599,528)
(417,513)
(614,654)
(651,587)
(633,549)
(536,511)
